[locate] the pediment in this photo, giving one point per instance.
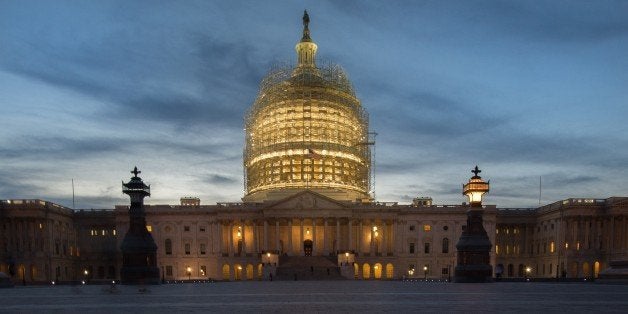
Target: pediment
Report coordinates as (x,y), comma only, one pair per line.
(306,200)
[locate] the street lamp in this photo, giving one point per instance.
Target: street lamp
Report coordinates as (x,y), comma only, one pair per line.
(425,272)
(189,269)
(85,272)
(528,270)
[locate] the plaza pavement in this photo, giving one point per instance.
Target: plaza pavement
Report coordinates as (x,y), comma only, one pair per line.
(320,296)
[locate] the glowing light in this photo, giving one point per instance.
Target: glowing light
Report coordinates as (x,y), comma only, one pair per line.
(267,254)
(347,254)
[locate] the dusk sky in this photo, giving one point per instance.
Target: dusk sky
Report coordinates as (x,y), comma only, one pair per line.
(523,89)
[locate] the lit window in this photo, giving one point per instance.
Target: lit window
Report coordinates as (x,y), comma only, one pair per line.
(577,246)
(496,231)
(552,247)
(427,228)
(203,270)
(41,226)
(149,228)
(103,232)
(113,231)
(496,249)
(566,245)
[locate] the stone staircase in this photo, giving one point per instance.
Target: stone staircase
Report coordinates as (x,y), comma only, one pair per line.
(308,268)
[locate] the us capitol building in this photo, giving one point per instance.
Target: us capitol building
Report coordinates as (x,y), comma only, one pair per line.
(308,211)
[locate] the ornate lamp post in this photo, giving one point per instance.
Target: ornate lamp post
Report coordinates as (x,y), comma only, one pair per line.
(425,272)
(474,246)
(139,251)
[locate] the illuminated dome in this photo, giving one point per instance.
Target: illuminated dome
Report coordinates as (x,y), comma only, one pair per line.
(307,130)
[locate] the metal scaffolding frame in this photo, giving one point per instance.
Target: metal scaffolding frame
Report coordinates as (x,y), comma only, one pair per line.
(307,130)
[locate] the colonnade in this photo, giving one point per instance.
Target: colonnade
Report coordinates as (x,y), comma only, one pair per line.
(296,236)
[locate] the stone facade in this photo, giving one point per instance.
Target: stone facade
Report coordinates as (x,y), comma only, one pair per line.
(231,241)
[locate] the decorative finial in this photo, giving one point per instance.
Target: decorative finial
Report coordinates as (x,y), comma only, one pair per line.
(306,30)
(135,171)
(476,171)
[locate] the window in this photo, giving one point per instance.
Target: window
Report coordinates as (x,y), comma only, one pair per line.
(113,232)
(168,247)
(496,249)
(149,228)
(445,271)
(202,248)
(412,228)
(427,228)
(552,247)
(186,228)
(427,248)
(445,245)
(187,249)
(203,270)
(168,270)
(445,228)
(201,229)
(411,250)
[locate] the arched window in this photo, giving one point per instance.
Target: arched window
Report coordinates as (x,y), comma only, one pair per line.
(389,271)
(377,271)
(366,271)
(168,247)
(445,245)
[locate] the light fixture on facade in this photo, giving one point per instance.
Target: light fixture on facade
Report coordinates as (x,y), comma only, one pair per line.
(307,231)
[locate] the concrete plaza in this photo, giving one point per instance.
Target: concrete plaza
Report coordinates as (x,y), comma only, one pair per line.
(320,296)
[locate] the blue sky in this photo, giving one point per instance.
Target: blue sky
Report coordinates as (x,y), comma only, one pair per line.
(524,89)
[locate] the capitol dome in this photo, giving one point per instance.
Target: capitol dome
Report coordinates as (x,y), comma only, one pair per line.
(307,130)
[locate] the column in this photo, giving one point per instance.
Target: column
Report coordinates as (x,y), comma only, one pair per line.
(337,235)
(313,236)
(384,248)
(325,237)
(277,236)
(218,226)
(230,234)
(255,237)
(243,226)
(301,239)
(350,227)
(359,244)
(265,235)
(290,247)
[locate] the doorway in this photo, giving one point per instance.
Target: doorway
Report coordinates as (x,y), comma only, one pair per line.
(307,247)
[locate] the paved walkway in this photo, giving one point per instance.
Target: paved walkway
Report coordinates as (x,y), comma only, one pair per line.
(321,296)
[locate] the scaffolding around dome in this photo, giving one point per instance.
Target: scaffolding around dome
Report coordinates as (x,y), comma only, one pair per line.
(307,130)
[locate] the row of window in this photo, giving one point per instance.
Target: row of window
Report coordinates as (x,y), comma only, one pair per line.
(187,248)
(427,246)
(102,232)
(189,271)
